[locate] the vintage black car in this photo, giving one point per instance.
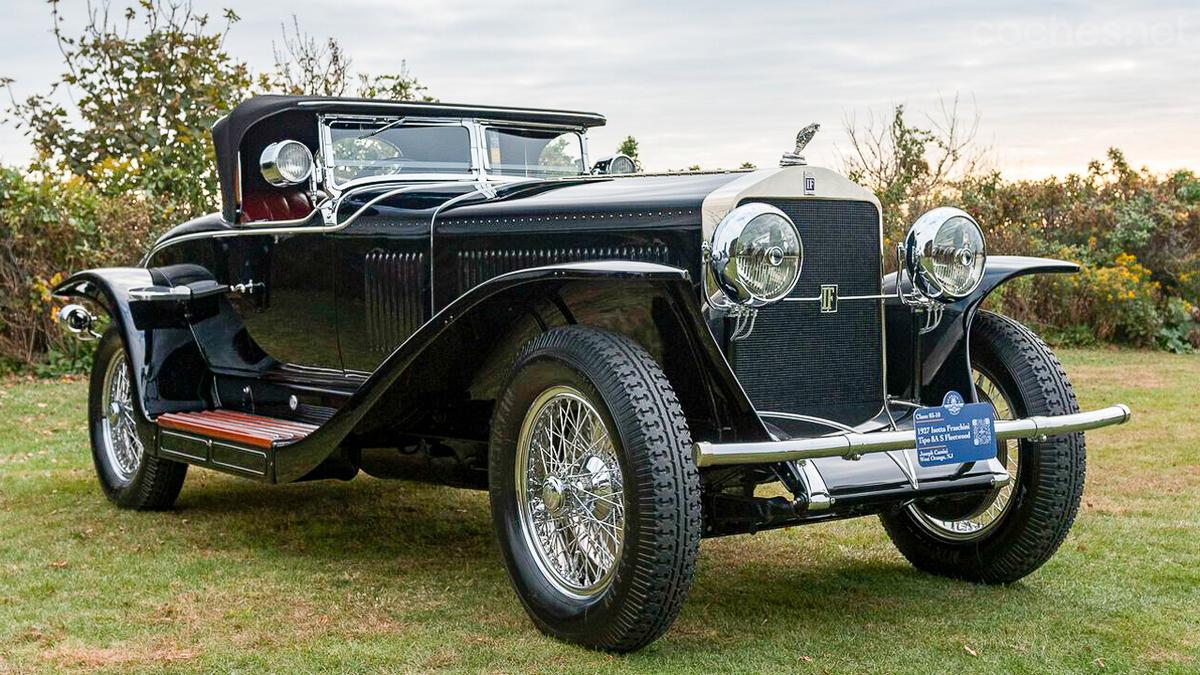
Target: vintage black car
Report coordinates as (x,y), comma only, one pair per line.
(627,362)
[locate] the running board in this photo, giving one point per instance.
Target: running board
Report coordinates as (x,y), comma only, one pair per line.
(227,440)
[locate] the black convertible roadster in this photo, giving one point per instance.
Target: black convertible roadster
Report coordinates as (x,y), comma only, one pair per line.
(459,294)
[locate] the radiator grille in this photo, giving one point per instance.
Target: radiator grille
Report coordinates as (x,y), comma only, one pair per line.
(394,305)
(476,267)
(799,360)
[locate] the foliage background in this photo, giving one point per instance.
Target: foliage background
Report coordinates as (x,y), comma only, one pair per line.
(132,156)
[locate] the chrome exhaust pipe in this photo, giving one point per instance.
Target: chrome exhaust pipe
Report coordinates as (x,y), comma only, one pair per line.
(852,445)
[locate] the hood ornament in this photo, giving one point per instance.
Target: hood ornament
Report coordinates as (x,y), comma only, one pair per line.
(795,158)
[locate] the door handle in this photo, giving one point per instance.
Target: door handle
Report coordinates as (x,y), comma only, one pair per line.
(248,287)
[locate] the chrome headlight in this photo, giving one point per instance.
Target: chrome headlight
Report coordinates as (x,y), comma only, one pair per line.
(756,254)
(944,253)
(286,163)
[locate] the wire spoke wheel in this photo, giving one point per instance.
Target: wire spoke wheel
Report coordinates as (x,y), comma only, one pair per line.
(122,440)
(1007,532)
(119,433)
(994,507)
(595,502)
(570,492)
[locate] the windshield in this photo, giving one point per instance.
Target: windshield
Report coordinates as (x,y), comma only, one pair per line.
(534,153)
(361,148)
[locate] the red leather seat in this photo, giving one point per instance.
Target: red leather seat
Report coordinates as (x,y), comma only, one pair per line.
(291,205)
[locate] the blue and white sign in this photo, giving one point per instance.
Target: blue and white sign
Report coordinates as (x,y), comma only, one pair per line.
(955,432)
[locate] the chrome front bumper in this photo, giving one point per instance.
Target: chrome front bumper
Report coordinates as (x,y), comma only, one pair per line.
(851,445)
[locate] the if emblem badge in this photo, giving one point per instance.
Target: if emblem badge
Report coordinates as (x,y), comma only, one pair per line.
(829,298)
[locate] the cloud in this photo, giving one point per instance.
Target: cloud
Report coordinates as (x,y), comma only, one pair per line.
(719,83)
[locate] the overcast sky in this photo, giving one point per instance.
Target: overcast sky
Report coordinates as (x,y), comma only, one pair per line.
(719,83)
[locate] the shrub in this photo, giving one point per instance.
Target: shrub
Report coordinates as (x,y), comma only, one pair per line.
(49,228)
(1180,331)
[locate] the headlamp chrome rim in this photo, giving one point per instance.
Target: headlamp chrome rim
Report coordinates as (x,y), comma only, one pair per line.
(723,270)
(270,166)
(920,261)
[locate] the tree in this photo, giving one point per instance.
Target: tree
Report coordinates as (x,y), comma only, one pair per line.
(910,167)
(146,89)
(305,65)
(747,165)
(629,148)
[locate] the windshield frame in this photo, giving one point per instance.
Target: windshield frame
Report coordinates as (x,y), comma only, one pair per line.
(485,155)
(476,129)
(325,124)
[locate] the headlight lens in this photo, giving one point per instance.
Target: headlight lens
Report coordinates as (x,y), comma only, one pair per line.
(945,253)
(286,163)
(756,255)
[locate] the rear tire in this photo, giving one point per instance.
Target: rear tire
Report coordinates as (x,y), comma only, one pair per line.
(1049,480)
(130,477)
(627,474)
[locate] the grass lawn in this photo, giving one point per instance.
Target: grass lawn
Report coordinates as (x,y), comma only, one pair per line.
(374,575)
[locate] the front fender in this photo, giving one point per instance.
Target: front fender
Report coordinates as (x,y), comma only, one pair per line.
(149,348)
(440,383)
(944,361)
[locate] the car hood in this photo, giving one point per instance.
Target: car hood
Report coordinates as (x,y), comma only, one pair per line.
(595,196)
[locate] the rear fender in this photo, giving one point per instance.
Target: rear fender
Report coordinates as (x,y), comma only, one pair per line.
(441,382)
(945,360)
(156,341)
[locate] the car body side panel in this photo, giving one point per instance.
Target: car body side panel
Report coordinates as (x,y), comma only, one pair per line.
(438,381)
(945,362)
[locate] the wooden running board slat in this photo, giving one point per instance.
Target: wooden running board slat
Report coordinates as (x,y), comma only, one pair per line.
(237,427)
(238,419)
(266,427)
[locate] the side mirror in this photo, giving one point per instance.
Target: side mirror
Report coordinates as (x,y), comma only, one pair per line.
(614,164)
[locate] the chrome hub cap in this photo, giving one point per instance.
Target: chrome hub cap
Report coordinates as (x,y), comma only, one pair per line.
(997,504)
(553,494)
(569,493)
(119,434)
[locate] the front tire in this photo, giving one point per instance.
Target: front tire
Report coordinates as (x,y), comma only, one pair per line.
(1016,529)
(595,498)
(130,477)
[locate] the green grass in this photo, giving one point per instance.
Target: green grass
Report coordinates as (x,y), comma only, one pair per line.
(374,575)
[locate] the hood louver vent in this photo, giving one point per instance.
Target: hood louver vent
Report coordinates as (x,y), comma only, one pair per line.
(393,297)
(476,267)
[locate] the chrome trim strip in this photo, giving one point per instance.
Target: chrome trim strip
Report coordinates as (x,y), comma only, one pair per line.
(485,189)
(254,452)
(206,442)
(852,444)
(153,293)
(283,227)
(842,298)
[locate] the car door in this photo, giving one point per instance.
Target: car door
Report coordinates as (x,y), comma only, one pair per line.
(286,301)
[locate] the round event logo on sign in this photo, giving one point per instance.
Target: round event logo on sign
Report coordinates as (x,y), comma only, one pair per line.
(953,402)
